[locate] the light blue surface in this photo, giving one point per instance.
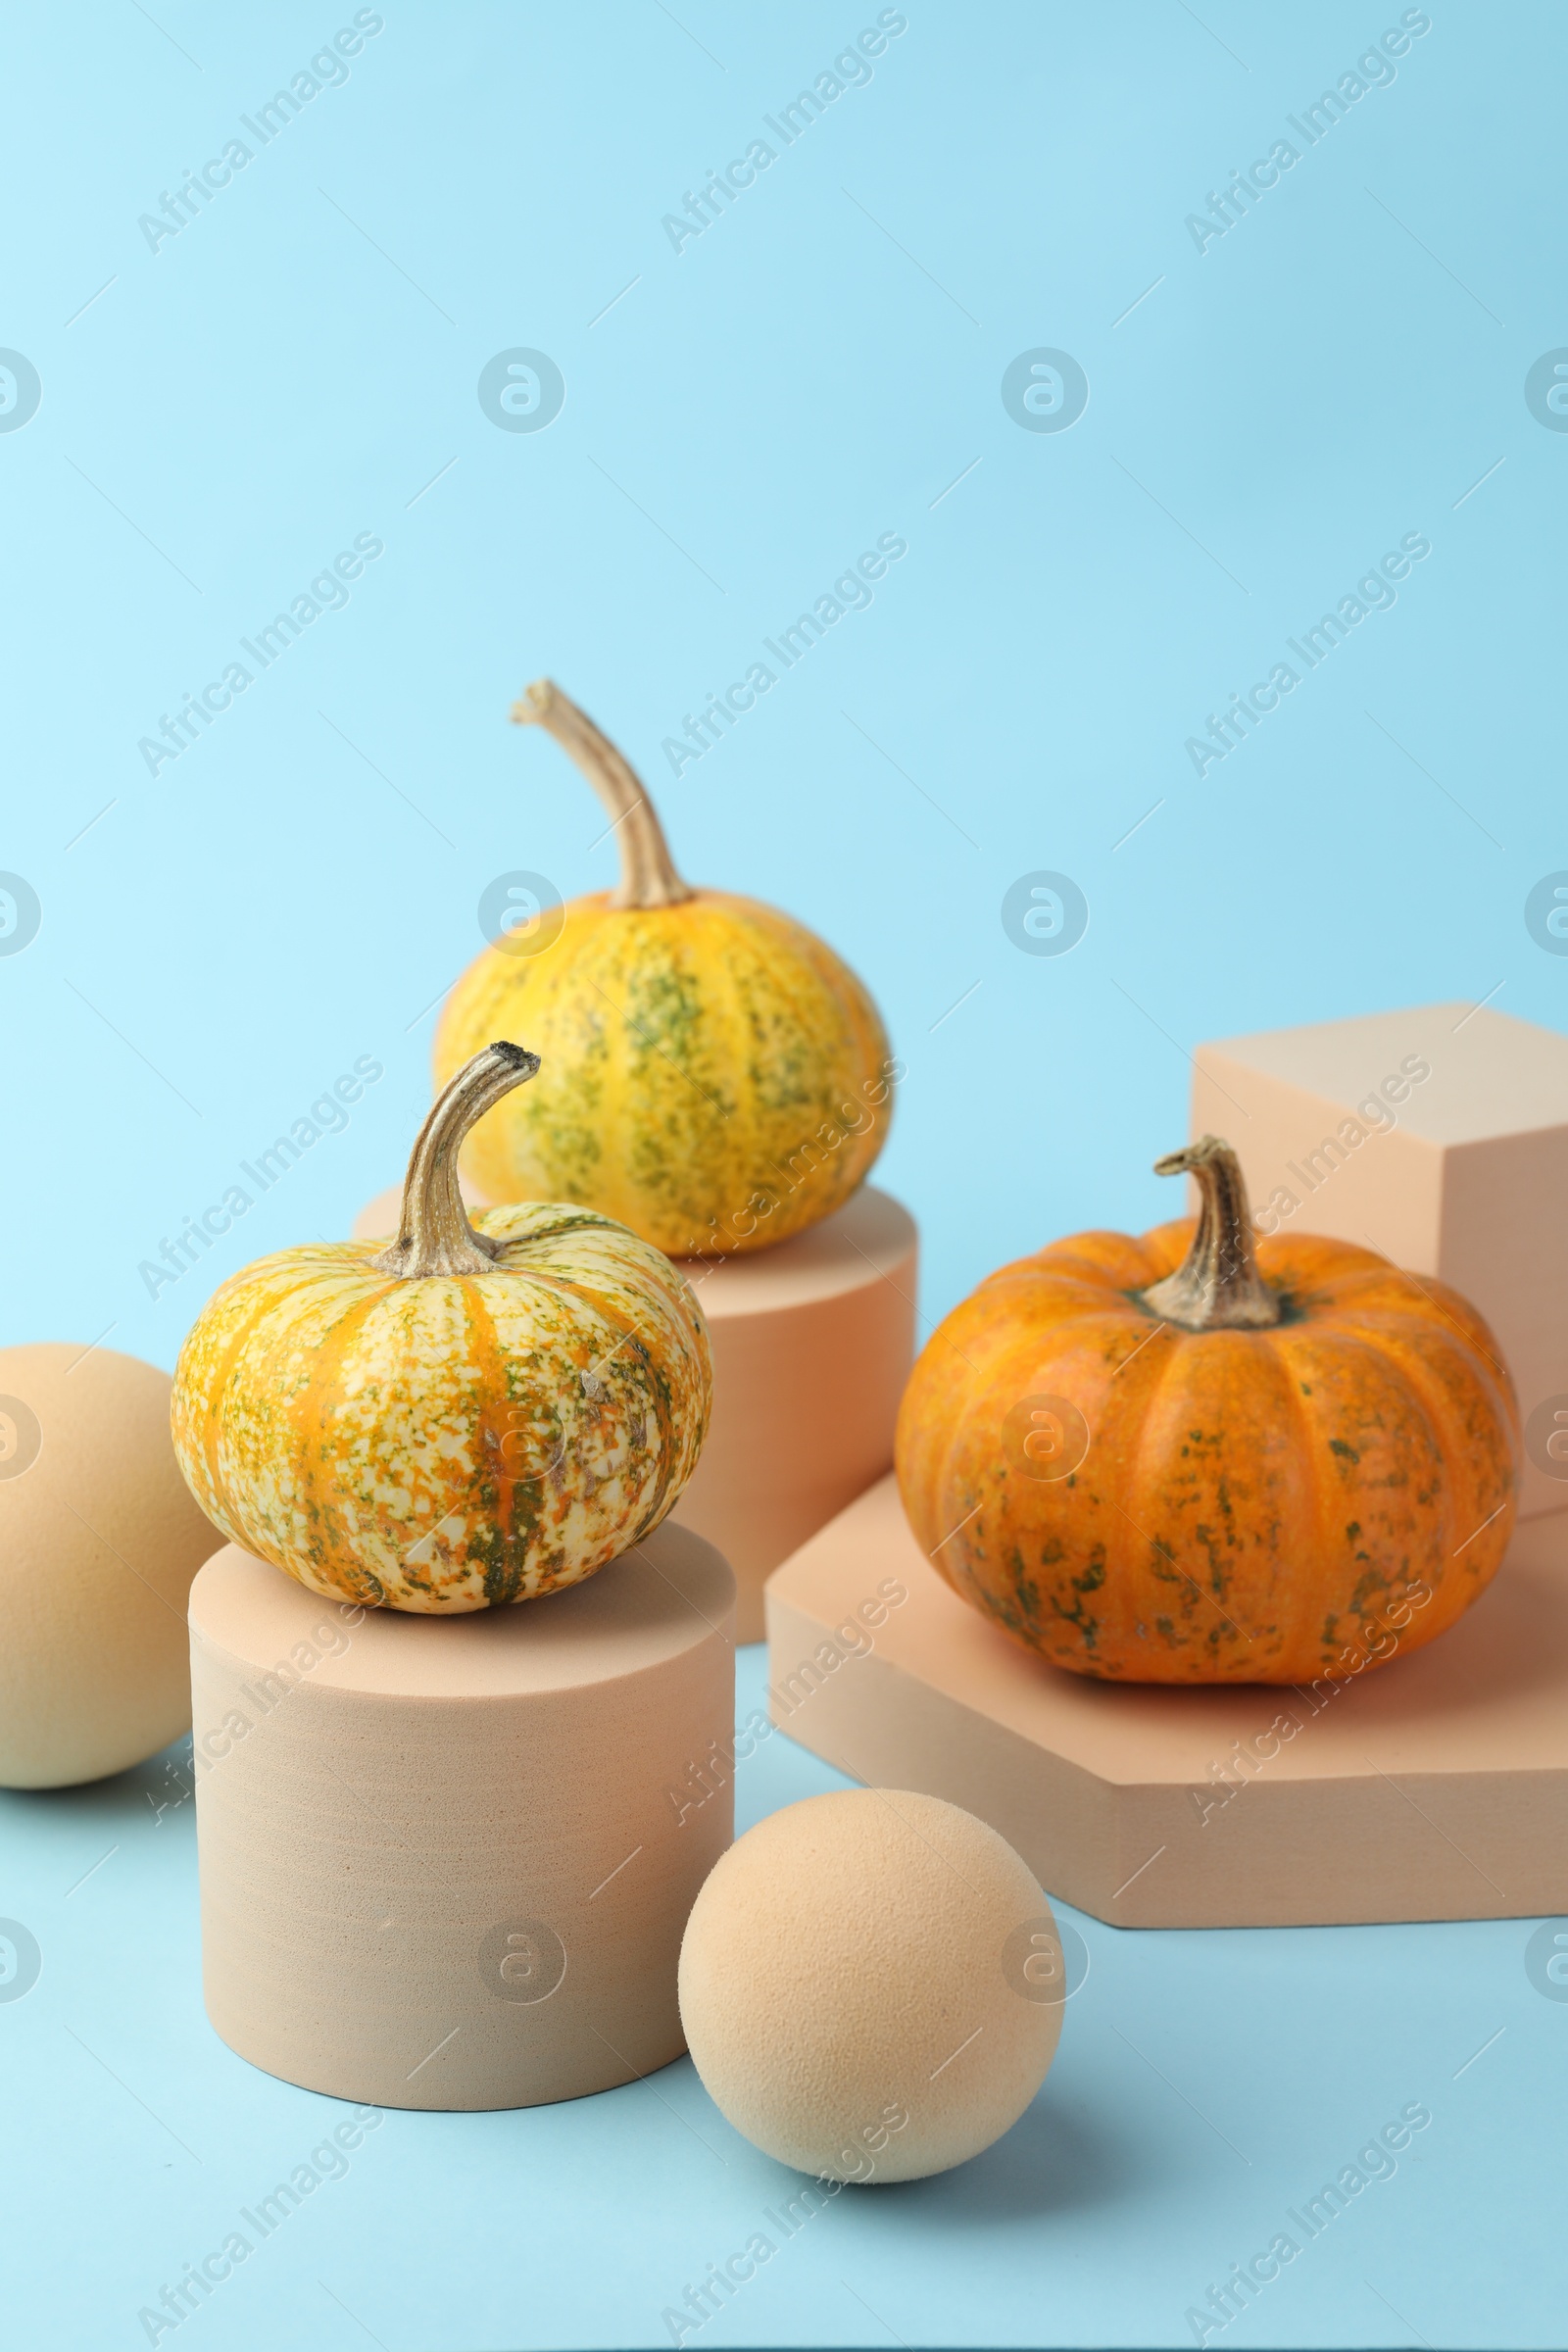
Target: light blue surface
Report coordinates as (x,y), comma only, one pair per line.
(1206,2086)
(823,365)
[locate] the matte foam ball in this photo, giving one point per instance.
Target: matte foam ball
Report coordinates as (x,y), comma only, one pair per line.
(869,1984)
(99,1541)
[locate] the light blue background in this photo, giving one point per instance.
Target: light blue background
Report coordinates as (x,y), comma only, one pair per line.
(821,366)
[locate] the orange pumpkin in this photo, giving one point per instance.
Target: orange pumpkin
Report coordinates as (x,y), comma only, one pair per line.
(1193,1459)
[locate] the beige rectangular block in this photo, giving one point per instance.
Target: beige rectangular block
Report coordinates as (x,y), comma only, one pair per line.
(1438,1137)
(1433,1786)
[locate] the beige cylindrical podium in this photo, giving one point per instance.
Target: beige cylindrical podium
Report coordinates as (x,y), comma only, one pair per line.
(813,1344)
(447,1863)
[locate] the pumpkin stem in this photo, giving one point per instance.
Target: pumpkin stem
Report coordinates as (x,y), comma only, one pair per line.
(1218,1287)
(648,876)
(435,1235)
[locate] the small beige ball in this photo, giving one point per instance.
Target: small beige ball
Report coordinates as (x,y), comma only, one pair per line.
(99,1541)
(871,1986)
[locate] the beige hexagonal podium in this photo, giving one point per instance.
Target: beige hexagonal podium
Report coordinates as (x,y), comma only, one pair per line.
(812,1343)
(1434,1787)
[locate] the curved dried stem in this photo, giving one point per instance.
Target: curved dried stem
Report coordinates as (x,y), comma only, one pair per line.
(1218,1287)
(648,876)
(435,1235)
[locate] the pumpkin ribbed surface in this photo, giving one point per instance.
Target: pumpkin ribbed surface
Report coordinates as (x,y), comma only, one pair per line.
(704,1064)
(1253,1505)
(455,1441)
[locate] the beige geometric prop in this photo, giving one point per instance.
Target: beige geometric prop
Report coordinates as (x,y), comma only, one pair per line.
(1432,1786)
(813,1344)
(99,1541)
(445,1863)
(1438,1137)
(872,1984)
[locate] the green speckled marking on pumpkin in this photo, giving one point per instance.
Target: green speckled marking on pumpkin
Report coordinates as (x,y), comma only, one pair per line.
(399,1441)
(1358,1454)
(693,1057)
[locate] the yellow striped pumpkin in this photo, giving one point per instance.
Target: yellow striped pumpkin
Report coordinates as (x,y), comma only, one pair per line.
(468,1415)
(714,1076)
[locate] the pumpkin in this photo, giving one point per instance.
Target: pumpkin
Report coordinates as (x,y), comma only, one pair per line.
(714,1076)
(1189,1458)
(464,1415)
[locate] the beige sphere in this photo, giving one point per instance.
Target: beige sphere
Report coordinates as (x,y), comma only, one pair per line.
(99,1541)
(871,1986)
